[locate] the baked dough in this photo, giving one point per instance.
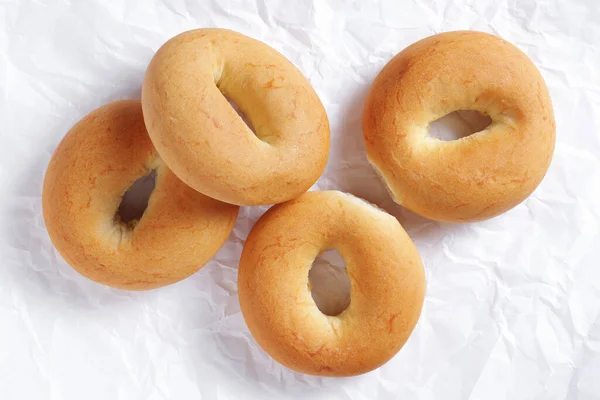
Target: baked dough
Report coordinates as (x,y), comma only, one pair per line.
(385,272)
(96,162)
(475,177)
(205,142)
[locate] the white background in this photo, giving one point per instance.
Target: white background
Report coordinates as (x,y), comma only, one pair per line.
(513,304)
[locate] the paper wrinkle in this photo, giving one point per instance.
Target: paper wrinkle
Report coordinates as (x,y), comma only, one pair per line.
(513,303)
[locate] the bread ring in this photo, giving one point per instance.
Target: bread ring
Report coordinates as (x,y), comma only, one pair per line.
(475,177)
(385,272)
(96,162)
(206,143)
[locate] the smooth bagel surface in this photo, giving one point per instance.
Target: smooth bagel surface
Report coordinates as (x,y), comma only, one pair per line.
(475,177)
(207,144)
(95,163)
(385,271)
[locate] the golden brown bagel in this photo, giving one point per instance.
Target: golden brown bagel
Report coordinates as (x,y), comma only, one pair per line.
(206,143)
(385,271)
(475,177)
(96,162)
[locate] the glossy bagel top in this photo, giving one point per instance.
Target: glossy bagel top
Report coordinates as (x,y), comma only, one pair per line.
(475,177)
(207,144)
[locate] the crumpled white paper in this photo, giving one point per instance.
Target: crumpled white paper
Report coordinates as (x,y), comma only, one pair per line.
(513,304)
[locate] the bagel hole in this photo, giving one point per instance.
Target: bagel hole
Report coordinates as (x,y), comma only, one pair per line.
(458,124)
(135,200)
(329,283)
(239,111)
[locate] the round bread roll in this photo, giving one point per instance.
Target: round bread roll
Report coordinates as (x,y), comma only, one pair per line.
(206,143)
(96,162)
(385,271)
(475,177)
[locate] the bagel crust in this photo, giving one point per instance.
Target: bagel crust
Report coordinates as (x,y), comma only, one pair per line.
(206,143)
(475,177)
(385,271)
(95,163)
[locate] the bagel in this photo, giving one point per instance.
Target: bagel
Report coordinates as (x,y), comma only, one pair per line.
(206,143)
(385,271)
(95,163)
(475,177)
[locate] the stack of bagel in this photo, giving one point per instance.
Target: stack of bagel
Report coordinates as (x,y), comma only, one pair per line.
(207,162)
